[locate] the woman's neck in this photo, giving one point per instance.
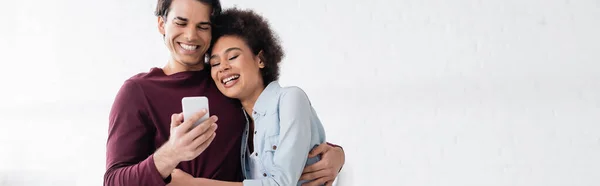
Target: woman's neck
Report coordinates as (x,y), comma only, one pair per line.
(249,101)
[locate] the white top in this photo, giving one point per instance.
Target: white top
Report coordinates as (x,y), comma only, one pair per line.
(254,166)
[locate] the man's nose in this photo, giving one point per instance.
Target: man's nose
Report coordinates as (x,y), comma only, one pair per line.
(191,34)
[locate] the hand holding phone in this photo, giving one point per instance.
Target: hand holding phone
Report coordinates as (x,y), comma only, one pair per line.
(193,105)
(189,138)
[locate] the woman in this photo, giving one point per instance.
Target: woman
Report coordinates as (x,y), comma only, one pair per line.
(283,126)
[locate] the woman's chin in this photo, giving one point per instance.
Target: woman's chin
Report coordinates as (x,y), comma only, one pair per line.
(231,94)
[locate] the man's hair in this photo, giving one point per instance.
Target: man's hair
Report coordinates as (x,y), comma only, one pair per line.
(256,32)
(163,7)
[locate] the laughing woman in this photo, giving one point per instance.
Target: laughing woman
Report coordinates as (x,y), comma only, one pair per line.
(283,126)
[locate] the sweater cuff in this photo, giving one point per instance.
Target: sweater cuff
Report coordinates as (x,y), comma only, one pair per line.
(334,145)
(155,176)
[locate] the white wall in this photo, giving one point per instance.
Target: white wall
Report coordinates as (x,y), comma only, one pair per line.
(419,92)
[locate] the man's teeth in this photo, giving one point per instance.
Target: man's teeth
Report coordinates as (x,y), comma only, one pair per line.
(230,78)
(188,47)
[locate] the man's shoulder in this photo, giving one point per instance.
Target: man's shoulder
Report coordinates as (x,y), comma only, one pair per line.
(137,81)
(145,76)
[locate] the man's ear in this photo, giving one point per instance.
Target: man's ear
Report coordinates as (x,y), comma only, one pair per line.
(161,25)
(261,59)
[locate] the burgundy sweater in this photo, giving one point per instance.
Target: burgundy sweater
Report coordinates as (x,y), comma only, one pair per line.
(139,124)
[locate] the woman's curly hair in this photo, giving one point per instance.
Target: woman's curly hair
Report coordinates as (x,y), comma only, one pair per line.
(256,32)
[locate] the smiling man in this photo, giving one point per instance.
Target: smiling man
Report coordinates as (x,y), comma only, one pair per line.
(147,141)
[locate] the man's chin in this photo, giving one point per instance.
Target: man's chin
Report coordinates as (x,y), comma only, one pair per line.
(192,62)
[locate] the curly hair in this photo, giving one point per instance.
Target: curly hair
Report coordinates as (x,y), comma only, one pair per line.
(256,32)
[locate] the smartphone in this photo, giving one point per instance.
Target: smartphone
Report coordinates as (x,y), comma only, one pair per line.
(193,105)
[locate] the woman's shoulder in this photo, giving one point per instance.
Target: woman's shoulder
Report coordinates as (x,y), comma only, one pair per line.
(293,94)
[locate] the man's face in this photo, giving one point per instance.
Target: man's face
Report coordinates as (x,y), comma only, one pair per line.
(187,32)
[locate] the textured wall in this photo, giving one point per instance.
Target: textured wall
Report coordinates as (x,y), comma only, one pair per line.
(418,92)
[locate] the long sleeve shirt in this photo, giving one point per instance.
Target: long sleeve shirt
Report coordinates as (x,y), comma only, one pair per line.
(139,123)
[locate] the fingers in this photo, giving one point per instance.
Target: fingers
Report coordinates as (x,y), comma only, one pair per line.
(329,183)
(320,165)
(317,182)
(190,121)
(203,128)
(206,143)
(204,136)
(314,175)
(322,148)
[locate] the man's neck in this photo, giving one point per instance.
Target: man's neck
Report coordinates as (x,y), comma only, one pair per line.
(173,67)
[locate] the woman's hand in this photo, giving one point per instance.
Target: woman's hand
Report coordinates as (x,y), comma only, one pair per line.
(181,178)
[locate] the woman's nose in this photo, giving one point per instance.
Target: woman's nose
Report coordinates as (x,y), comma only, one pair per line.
(225,66)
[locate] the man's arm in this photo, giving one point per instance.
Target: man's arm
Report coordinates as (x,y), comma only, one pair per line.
(326,170)
(129,148)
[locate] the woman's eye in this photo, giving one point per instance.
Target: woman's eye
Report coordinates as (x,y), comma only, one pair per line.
(214,64)
(232,58)
(203,27)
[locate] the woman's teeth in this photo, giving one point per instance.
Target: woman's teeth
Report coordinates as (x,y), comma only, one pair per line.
(231,78)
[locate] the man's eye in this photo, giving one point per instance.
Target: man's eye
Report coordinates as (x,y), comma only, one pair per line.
(180,24)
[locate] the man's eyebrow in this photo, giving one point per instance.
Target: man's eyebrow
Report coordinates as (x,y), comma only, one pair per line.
(186,20)
(181,18)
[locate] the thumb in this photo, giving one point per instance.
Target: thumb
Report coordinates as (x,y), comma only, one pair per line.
(318,150)
(176,120)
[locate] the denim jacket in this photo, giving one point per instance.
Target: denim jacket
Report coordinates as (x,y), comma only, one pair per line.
(286,129)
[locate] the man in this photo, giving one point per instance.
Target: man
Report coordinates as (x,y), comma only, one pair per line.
(146,142)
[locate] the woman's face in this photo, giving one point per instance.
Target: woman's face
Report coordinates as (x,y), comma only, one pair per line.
(235,69)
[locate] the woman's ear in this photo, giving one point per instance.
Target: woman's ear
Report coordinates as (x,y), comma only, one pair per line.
(261,59)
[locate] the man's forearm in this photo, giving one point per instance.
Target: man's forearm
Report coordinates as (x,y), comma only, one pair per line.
(142,173)
(164,162)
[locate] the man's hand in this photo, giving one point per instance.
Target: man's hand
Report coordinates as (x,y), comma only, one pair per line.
(185,142)
(326,170)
